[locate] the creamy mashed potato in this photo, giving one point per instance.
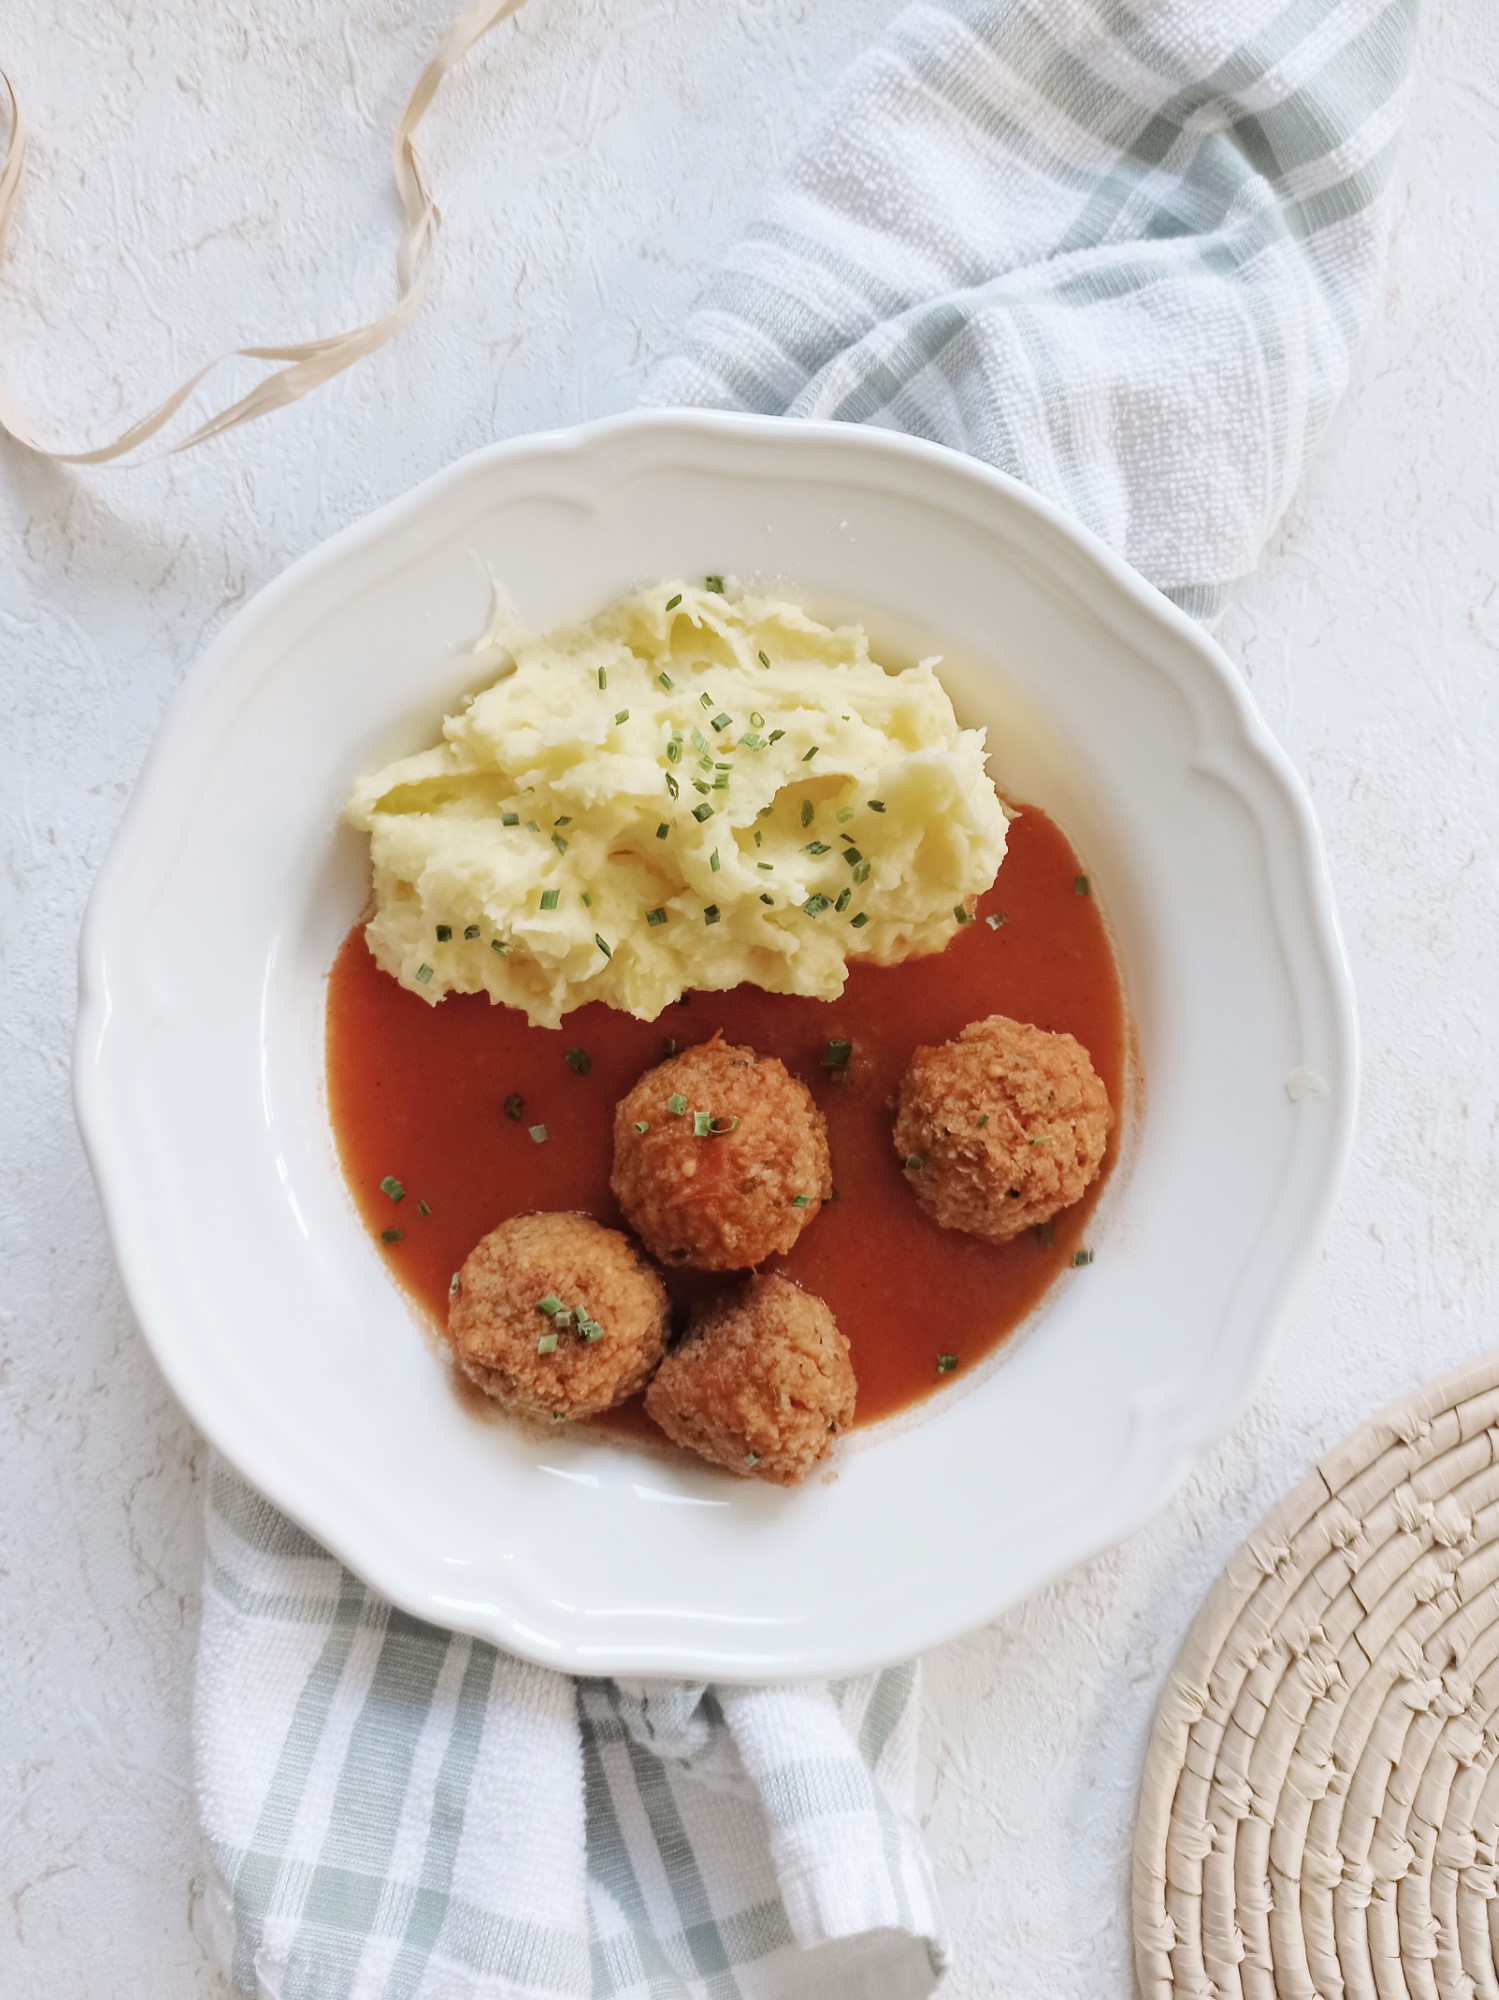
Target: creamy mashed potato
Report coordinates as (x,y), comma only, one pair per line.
(693,789)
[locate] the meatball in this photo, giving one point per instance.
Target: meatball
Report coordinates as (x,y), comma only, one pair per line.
(720,1158)
(761,1384)
(556,1316)
(1001,1128)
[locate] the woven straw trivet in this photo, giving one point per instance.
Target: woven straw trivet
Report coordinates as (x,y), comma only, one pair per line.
(1321,1801)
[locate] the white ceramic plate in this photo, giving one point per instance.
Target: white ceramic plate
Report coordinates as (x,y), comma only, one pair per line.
(200,1084)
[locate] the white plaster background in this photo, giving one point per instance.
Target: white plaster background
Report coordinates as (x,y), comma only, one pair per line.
(206,171)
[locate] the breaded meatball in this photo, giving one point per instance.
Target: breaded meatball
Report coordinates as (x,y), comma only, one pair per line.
(556,1316)
(720,1158)
(761,1384)
(1001,1128)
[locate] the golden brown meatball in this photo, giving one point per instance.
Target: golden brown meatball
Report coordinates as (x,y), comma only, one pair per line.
(556,1316)
(761,1384)
(720,1158)
(1001,1128)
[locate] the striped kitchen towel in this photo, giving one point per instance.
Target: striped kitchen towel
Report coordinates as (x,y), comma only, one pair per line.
(1122,251)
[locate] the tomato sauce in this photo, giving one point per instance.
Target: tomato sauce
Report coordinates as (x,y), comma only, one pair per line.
(418,1093)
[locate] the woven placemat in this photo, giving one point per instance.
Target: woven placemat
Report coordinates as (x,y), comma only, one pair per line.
(1321,1802)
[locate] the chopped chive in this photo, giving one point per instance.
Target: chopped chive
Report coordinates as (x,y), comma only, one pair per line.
(713,584)
(861,871)
(810,754)
(999,917)
(801,1201)
(674,751)
(875,805)
(391,1235)
(721,782)
(751,742)
(836,1055)
(550,898)
(857,923)
(1081,1257)
(721,1127)
(702,1124)
(1041,1139)
(759,840)
(701,744)
(845,897)
(422,1208)
(470,930)
(752,1458)
(766,867)
(915,1162)
(808,812)
(852,856)
(946,1363)
(587,900)
(551,1305)
(424,973)
(720,722)
(699,786)
(603,677)
(547,1344)
(559,843)
(1043,1233)
(843,815)
(666,681)
(705,700)
(702,812)
(391,1186)
(668,1045)
(642,1125)
(757,720)
(982,1122)
(563,819)
(497,944)
(817,847)
(444,932)
(776,735)
(621,715)
(815,905)
(1079,885)
(578,1061)
(538,1135)
(673,602)
(455,1286)
(962,912)
(672,786)
(676,1104)
(603,947)
(768,899)
(710,914)
(713,861)
(515,1104)
(662,830)
(509,819)
(589,1330)
(656,916)
(532,827)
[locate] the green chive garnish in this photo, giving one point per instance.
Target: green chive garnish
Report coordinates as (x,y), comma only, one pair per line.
(673,602)
(603,677)
(720,722)
(702,812)
(622,715)
(391,1235)
(559,843)
(996,920)
(808,810)
(810,754)
(705,700)
(962,912)
(422,1208)
(603,947)
(861,871)
(672,786)
(579,1061)
(983,1121)
(509,819)
(665,680)
(444,932)
(1043,1233)
(1079,885)
(915,1162)
(532,827)
(776,735)
(801,1201)
(515,1104)
(768,899)
(1081,1257)
(715,584)
(551,1305)
(845,897)
(766,867)
(547,1344)
(668,1045)
(852,856)
(836,1055)
(752,1458)
(391,1186)
(751,742)
(455,1286)
(843,814)
(642,1125)
(662,830)
(497,944)
(721,1127)
(674,751)
(817,847)
(676,1104)
(702,1124)
(710,914)
(550,898)
(875,805)
(470,930)
(857,923)
(656,916)
(563,819)
(538,1135)
(713,861)
(424,973)
(946,1363)
(815,905)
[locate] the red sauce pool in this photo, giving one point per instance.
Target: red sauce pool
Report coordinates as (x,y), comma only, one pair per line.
(418,1092)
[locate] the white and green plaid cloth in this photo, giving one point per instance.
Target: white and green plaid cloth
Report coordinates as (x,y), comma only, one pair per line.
(1122,251)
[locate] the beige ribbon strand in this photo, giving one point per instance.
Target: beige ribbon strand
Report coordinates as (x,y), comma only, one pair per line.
(309,363)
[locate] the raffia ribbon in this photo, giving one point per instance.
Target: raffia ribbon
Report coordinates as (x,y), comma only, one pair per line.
(309,363)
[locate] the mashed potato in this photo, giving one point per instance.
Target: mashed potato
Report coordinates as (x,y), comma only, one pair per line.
(691,790)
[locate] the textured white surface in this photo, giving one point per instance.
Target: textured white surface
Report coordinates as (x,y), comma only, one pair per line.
(590,164)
